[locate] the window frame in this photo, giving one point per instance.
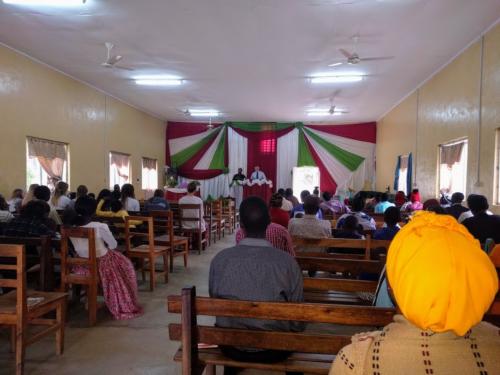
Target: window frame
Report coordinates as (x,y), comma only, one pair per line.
(464,140)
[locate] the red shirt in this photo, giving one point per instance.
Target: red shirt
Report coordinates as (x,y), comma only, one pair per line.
(276,234)
(279,216)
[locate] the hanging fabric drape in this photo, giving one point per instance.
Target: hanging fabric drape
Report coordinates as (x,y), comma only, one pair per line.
(409,173)
(121,162)
(396,174)
(51,156)
(148,163)
(345,154)
(450,154)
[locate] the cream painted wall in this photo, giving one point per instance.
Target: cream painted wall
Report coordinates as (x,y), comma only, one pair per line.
(38,101)
(448,109)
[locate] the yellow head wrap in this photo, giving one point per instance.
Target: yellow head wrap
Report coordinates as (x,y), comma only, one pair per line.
(440,277)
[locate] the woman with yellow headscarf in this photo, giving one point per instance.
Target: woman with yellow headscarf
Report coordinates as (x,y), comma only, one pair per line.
(443,284)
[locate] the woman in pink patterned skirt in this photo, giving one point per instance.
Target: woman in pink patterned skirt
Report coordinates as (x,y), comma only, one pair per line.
(116,272)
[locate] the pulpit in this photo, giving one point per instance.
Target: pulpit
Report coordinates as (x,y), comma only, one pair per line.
(262,189)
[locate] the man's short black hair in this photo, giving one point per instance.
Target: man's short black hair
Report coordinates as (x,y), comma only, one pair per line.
(42,192)
(477,203)
(457,198)
(276,200)
(384,197)
(85,206)
(281,192)
(392,216)
(350,223)
(254,217)
(159,193)
(191,188)
(304,194)
(288,192)
(327,196)
(358,204)
(36,209)
(311,205)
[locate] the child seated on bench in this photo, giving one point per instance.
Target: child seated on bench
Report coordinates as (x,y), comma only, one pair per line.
(116,272)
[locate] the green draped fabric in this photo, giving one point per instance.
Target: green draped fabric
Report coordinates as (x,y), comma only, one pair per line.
(348,159)
(260,126)
(305,159)
(218,159)
(183,156)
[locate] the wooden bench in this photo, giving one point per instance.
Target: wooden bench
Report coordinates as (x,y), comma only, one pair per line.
(352,267)
(313,353)
(338,291)
(369,245)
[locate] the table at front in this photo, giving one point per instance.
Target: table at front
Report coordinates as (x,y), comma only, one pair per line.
(263,191)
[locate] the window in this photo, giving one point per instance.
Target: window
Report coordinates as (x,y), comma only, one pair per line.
(47,162)
(453,167)
(119,169)
(403,174)
(268,146)
(149,174)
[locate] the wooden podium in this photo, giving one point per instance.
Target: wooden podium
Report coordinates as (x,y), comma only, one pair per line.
(263,191)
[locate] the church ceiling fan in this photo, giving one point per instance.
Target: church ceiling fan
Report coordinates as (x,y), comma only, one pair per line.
(112,60)
(353,58)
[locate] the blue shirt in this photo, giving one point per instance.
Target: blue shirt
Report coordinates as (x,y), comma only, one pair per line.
(382,206)
(386,233)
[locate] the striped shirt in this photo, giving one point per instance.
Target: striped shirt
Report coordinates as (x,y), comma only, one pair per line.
(276,234)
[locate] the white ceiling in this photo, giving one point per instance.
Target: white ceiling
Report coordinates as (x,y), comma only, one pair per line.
(250,59)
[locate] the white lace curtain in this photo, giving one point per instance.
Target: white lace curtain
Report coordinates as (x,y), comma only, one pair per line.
(51,156)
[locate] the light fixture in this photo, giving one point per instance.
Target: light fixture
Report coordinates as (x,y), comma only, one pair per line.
(47,3)
(336,78)
(158,80)
(203,112)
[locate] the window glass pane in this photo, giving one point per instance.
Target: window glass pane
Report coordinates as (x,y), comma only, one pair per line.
(149,174)
(45,158)
(453,167)
(119,169)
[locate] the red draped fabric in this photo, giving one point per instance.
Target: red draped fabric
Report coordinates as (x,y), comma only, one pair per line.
(366,132)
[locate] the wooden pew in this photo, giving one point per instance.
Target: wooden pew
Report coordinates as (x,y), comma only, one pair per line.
(353,267)
(312,353)
(45,245)
(327,243)
(337,291)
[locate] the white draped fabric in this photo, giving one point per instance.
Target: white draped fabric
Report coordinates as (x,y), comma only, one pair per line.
(178,144)
(205,161)
(238,151)
(215,187)
(288,153)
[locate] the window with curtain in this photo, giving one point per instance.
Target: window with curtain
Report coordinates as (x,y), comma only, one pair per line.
(119,169)
(453,167)
(403,174)
(268,146)
(47,162)
(149,174)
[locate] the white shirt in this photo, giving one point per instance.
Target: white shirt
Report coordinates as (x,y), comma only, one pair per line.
(104,240)
(132,204)
(192,199)
(258,175)
(286,205)
(14,204)
(62,203)
(5,216)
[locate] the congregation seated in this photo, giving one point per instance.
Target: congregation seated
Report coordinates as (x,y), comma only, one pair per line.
(115,209)
(157,202)
(277,213)
(333,204)
(365,220)
(286,205)
(441,301)
(416,202)
(456,208)
(254,270)
(292,198)
(429,204)
(298,211)
(276,234)
(5,214)
(310,226)
(30,195)
(59,199)
(81,191)
(33,221)
(116,272)
(42,192)
(482,225)
(384,204)
(128,200)
(392,217)
(350,229)
(191,198)
(16,200)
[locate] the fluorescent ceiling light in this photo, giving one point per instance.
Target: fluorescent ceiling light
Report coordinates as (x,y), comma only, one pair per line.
(47,3)
(158,81)
(336,79)
(203,112)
